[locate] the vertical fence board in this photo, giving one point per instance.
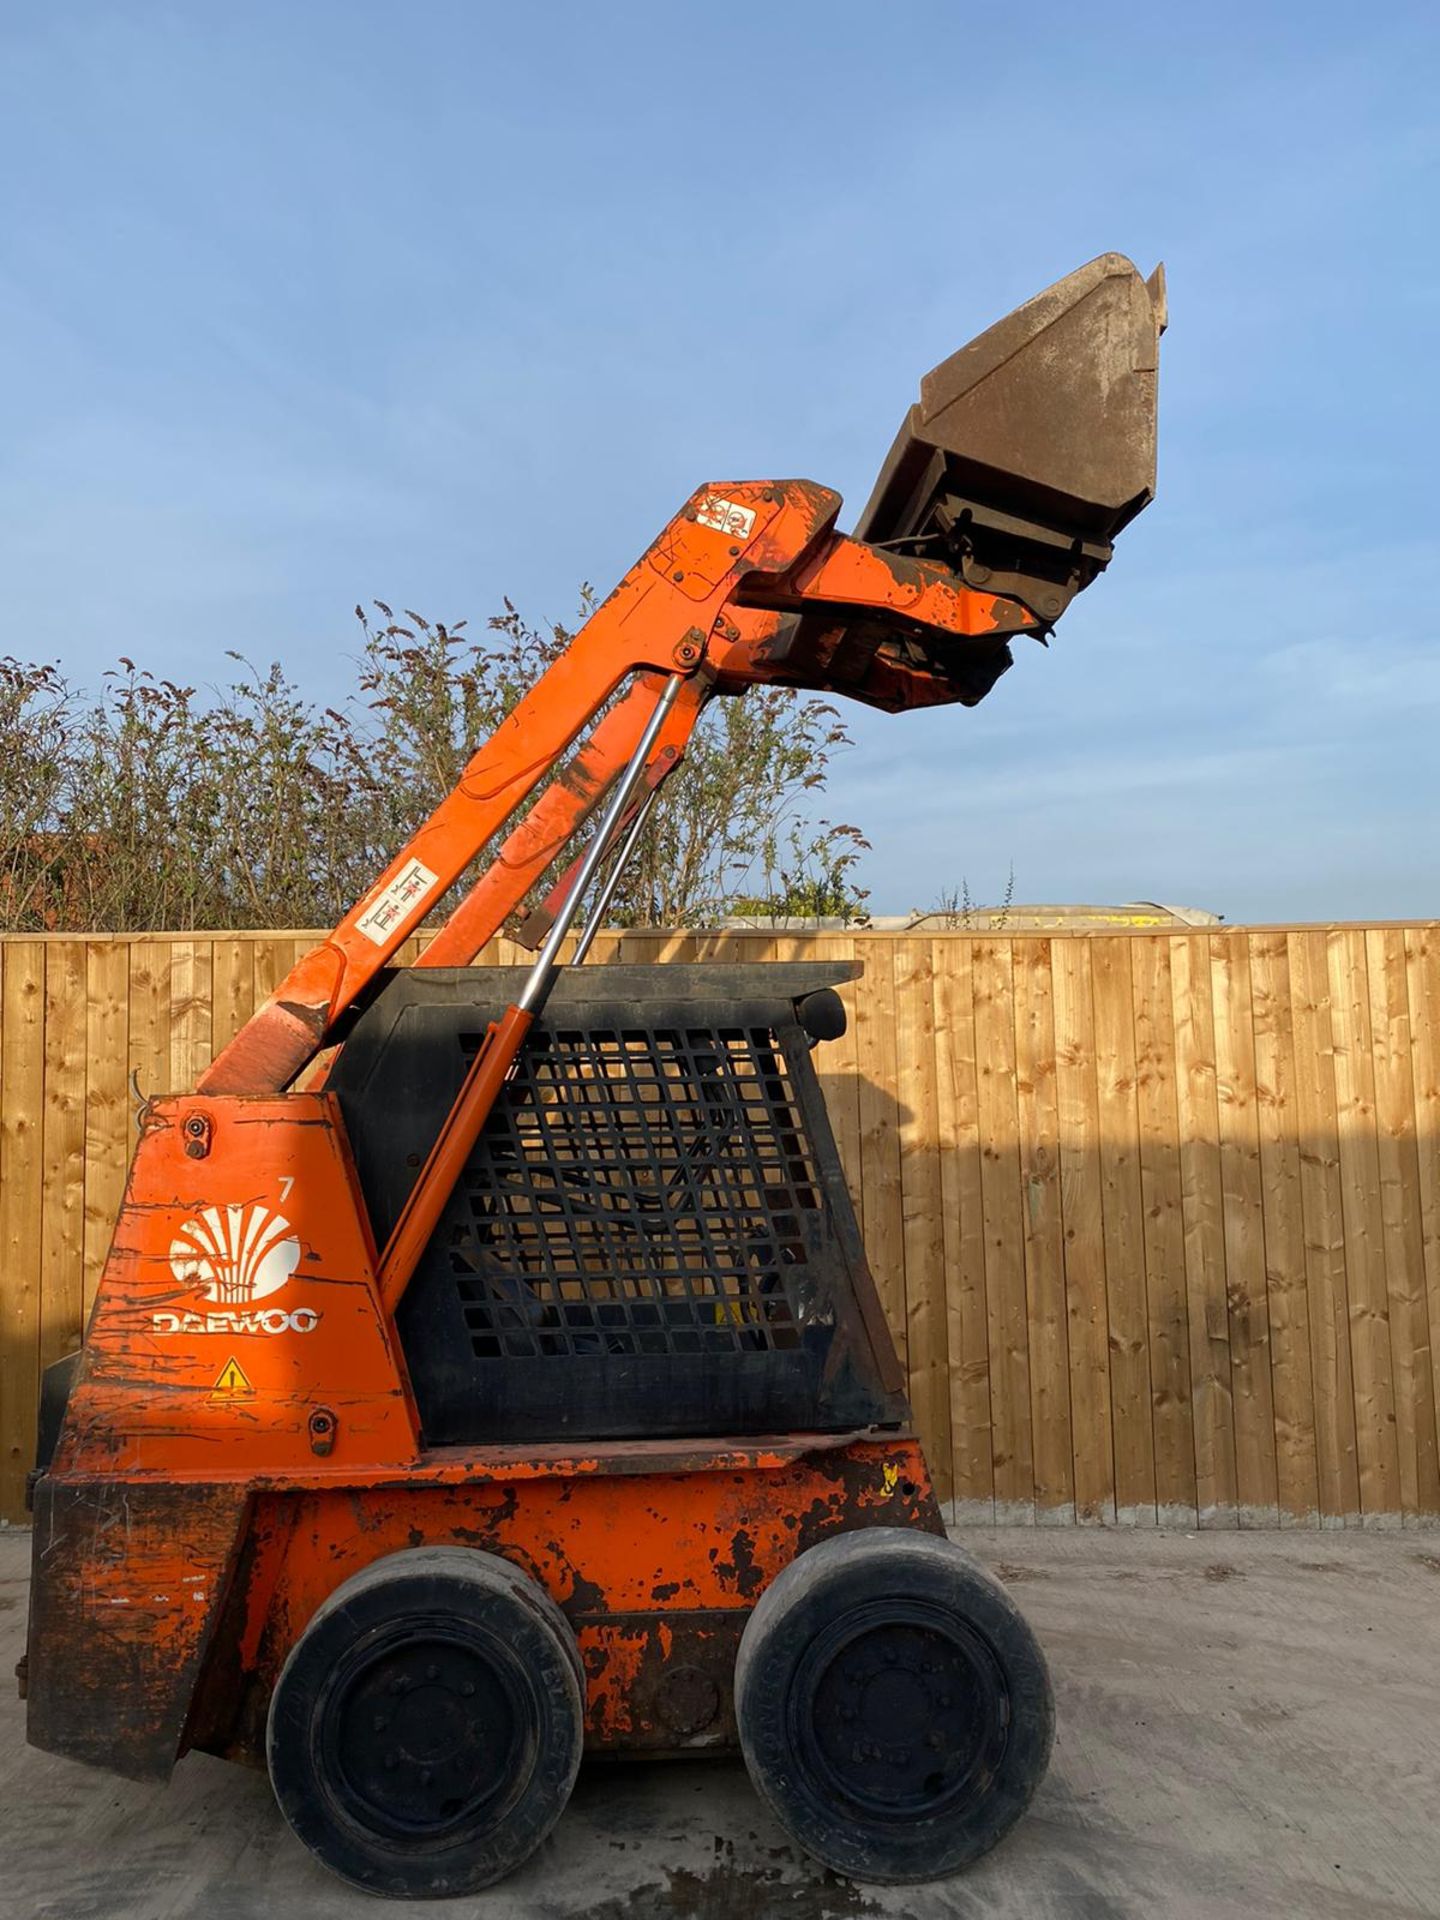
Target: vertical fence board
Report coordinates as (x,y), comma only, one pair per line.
(1297,1487)
(147,1038)
(1422,966)
(267,969)
(232,999)
(1322,1202)
(1122,1207)
(62,1247)
(967,1316)
(22,1195)
(1202,1202)
(884,1226)
(1004,1232)
(190,1020)
(1401,1214)
(1242,1199)
(1087,1322)
(1364,1226)
(107,1100)
(1164,1220)
(922,1223)
(1044,1231)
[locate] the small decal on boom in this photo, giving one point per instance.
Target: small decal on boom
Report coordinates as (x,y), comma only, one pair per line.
(726,516)
(395,905)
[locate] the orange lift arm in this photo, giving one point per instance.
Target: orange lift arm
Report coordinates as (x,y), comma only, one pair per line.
(833,615)
(562,809)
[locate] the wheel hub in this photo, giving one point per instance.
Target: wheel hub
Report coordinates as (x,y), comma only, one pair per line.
(423,1731)
(901,1709)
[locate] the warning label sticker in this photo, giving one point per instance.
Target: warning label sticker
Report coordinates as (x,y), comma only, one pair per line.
(726,516)
(232,1381)
(395,904)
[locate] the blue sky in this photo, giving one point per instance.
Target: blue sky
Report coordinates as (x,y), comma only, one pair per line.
(305,303)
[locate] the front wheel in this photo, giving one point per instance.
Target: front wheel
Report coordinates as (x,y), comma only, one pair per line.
(425,1732)
(894,1707)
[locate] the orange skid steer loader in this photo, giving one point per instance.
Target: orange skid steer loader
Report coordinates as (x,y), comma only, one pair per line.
(486,1368)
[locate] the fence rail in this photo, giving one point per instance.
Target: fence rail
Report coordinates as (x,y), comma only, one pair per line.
(1155,1217)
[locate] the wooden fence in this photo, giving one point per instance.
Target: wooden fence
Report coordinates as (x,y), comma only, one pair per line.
(1155,1217)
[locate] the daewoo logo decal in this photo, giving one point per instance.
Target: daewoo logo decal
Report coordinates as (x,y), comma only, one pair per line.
(236,1255)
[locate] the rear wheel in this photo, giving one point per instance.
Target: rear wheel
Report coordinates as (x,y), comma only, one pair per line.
(894,1707)
(425,1732)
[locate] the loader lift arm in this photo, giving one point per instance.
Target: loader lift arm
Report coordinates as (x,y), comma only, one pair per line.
(748,585)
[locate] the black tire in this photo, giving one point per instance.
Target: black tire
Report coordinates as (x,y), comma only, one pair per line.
(894,1707)
(459,1780)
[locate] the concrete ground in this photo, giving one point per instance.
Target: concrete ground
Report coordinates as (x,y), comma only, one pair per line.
(1249,1728)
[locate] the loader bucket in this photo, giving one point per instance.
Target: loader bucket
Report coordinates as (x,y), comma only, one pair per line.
(1031,448)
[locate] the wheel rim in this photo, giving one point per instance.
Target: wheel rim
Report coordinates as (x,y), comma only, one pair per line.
(900,1710)
(425,1728)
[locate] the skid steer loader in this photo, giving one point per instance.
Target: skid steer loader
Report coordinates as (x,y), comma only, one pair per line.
(486,1368)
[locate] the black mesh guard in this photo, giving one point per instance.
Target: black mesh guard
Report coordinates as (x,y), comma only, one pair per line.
(653,1234)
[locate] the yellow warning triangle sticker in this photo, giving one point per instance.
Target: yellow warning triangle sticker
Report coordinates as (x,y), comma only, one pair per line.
(232,1379)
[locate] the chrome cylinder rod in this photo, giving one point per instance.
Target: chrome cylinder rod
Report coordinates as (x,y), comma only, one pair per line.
(612,880)
(543,971)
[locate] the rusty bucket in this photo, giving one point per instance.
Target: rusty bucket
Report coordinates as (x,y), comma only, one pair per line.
(1030,448)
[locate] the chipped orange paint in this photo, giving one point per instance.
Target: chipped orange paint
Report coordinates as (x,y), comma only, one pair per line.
(144,1402)
(630,1556)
